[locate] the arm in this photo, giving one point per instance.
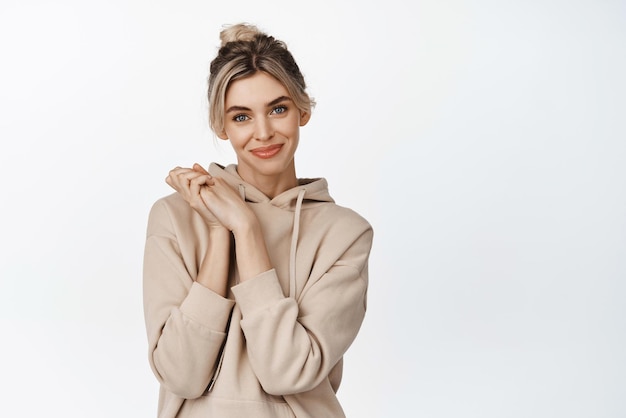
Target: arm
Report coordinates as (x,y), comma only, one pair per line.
(213,273)
(185,320)
(293,345)
(228,208)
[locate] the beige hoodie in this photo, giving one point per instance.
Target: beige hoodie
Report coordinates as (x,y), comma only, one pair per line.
(274,347)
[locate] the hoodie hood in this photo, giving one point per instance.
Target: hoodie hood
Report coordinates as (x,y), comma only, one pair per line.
(308,191)
(315,190)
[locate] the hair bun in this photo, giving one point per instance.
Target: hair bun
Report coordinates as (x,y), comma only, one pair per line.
(239,32)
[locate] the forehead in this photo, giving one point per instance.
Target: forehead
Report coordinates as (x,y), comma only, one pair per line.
(258,89)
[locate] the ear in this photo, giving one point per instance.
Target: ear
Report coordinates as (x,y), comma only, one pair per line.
(304,118)
(222,135)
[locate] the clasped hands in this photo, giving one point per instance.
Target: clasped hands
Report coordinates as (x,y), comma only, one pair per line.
(212,198)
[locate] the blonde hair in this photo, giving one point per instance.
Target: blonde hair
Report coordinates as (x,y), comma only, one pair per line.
(244,51)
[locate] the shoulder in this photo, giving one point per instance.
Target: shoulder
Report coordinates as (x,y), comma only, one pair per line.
(339,236)
(342,218)
(167,214)
(339,228)
(168,206)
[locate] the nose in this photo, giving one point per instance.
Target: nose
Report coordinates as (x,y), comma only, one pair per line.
(263,129)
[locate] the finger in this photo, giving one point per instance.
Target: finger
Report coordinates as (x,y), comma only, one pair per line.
(182,171)
(206,194)
(197,167)
(186,177)
(179,179)
(202,179)
(221,184)
(177,170)
(194,187)
(174,173)
(197,182)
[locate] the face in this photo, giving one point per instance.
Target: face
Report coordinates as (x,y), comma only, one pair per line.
(263,126)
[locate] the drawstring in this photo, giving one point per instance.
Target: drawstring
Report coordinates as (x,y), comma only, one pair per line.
(294,243)
(294,238)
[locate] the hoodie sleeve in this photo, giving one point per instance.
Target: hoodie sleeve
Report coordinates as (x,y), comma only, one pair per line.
(293,345)
(185,321)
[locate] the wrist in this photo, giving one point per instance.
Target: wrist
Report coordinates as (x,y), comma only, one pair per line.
(219,231)
(248,228)
(213,273)
(252,256)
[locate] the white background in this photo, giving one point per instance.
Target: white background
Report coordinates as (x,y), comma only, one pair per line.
(484,140)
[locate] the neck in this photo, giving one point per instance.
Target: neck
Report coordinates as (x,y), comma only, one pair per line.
(271,185)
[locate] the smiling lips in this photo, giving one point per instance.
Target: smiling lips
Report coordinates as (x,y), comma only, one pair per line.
(267,152)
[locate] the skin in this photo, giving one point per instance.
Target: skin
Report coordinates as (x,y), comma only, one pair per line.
(260,114)
(262,124)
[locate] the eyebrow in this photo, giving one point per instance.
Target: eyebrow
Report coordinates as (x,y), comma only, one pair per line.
(270,104)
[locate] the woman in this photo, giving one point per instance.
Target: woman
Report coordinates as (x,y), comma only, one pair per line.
(255,281)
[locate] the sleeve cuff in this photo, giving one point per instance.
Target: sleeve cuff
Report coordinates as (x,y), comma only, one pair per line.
(258,293)
(206,307)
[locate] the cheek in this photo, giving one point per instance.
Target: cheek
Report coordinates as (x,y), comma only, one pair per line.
(292,126)
(237,135)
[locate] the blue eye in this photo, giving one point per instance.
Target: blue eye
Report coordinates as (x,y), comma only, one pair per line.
(240,118)
(279,110)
